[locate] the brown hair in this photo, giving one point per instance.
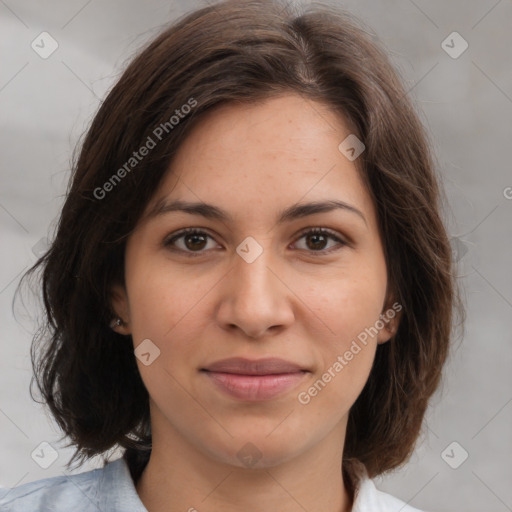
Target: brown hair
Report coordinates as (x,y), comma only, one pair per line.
(243,51)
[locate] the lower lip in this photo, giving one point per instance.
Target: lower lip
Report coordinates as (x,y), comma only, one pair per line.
(254,388)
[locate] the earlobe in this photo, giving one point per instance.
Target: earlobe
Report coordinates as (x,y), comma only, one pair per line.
(390,318)
(386,333)
(119,301)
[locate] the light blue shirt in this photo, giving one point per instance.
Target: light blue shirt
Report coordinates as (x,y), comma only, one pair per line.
(111,489)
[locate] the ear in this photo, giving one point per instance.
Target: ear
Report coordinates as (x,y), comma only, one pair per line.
(119,302)
(390,317)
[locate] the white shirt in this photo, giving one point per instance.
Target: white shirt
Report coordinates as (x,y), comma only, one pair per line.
(111,489)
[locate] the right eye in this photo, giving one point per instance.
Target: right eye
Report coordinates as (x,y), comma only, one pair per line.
(192,243)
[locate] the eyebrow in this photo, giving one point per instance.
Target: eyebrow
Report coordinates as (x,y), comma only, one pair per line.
(209,211)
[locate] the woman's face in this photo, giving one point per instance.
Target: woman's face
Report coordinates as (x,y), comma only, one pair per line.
(256,284)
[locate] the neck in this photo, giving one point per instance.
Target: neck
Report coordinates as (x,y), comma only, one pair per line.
(179,477)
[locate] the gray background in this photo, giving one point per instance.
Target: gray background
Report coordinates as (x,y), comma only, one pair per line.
(466,104)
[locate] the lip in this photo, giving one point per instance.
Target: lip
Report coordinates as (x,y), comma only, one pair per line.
(254,380)
(265,366)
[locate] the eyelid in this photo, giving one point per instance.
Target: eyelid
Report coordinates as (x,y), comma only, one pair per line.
(326,231)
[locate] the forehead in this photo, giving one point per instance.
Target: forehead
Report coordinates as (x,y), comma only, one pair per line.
(259,157)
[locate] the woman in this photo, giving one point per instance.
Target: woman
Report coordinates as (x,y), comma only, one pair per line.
(250,288)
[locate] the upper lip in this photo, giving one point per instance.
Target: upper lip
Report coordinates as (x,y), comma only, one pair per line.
(243,366)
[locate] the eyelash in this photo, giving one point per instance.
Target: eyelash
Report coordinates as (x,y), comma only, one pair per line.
(168,242)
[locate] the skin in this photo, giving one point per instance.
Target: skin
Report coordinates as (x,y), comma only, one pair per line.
(290,302)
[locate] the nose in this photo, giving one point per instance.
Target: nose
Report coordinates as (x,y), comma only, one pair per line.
(255,298)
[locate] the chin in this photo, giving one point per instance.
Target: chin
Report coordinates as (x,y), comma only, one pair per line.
(254,448)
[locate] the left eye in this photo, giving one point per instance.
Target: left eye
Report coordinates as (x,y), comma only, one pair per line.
(193,240)
(320,236)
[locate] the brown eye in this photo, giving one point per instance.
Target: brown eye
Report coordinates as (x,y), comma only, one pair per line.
(317,239)
(194,242)
(191,241)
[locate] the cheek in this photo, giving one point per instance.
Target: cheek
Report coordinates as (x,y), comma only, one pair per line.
(345,358)
(162,299)
(175,316)
(349,310)
(347,305)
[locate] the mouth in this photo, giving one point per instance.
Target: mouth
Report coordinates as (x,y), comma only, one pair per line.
(254,380)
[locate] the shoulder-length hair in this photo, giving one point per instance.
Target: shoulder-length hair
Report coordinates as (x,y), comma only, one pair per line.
(243,51)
